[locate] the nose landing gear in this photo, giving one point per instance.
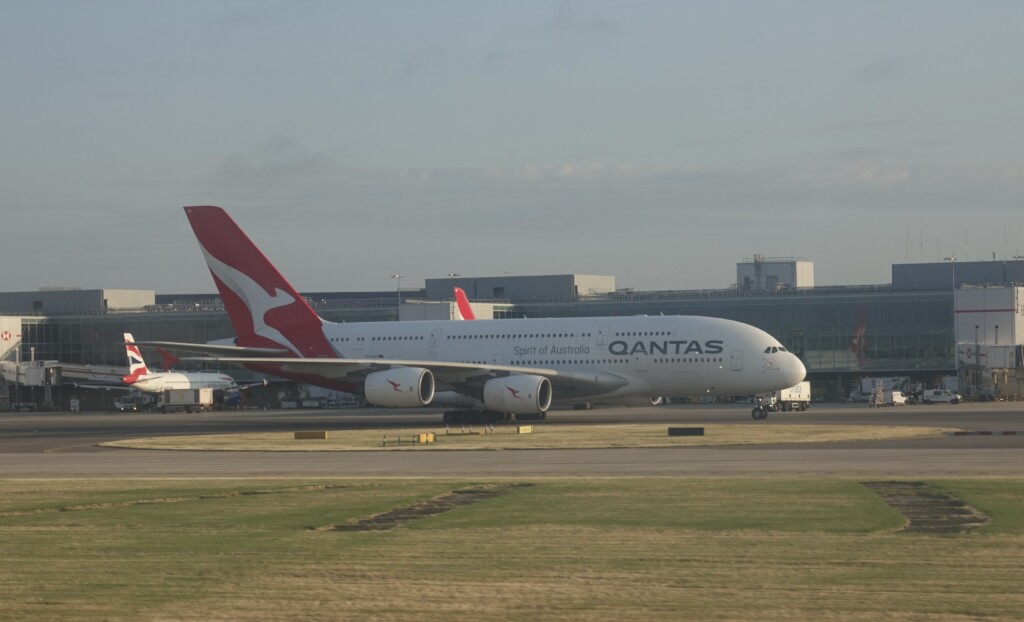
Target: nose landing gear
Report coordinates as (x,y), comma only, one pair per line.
(760,410)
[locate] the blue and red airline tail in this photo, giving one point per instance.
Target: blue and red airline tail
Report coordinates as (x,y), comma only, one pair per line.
(136,365)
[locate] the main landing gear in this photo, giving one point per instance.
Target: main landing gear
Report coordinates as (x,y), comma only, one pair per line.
(488,416)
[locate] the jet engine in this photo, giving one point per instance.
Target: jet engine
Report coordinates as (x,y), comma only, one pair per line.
(519,395)
(401,387)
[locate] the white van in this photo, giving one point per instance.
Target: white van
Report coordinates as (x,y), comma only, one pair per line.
(895,398)
(940,396)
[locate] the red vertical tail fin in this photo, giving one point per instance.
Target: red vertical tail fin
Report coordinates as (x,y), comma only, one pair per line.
(168,359)
(462,303)
(264,308)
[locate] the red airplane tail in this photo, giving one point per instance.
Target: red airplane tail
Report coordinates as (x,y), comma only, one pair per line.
(264,308)
(462,303)
(168,359)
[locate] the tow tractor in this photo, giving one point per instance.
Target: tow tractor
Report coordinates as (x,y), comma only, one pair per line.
(760,408)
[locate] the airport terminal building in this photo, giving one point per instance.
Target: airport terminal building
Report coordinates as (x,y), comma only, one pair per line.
(933,321)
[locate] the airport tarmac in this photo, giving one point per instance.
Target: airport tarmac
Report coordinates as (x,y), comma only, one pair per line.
(64,445)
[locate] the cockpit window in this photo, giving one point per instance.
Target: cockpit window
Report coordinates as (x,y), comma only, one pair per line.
(781,349)
(772,350)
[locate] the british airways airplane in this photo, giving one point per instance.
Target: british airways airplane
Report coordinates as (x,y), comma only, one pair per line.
(141,378)
(487,369)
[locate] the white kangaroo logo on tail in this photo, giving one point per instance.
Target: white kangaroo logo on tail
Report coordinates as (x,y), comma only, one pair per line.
(256,299)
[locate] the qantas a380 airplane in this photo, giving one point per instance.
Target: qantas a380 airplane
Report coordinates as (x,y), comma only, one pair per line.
(487,369)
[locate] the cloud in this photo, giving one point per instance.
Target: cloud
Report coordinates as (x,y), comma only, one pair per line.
(881,70)
(908,178)
(600,24)
(115,95)
(278,158)
(425,60)
(877,124)
(564,18)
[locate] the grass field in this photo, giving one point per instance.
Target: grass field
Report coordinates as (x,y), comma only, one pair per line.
(559,549)
(543,437)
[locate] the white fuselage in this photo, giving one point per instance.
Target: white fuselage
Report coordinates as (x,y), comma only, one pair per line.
(158,382)
(640,355)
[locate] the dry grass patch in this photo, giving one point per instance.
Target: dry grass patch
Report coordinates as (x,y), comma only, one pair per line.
(543,437)
(562,549)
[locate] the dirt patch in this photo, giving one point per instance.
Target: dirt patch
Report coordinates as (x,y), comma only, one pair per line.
(424,509)
(928,509)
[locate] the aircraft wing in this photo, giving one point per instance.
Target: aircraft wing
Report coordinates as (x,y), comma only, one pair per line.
(249,385)
(459,376)
(105,387)
(216,350)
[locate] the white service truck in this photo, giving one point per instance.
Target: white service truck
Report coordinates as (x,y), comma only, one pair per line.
(796,397)
(189,400)
(941,396)
(895,398)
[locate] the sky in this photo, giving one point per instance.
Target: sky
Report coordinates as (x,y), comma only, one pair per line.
(660,142)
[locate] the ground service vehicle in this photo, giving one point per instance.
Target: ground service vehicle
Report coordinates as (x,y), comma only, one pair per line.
(941,396)
(895,398)
(189,400)
(126,403)
(796,397)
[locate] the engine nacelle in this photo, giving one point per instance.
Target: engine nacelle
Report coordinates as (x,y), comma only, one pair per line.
(519,395)
(401,387)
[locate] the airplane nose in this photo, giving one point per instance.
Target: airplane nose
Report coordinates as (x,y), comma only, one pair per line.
(794,370)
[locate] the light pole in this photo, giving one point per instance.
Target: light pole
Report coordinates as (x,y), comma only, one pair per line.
(977,363)
(399,276)
(956,339)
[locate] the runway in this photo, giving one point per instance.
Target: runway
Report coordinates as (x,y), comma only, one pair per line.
(62,445)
